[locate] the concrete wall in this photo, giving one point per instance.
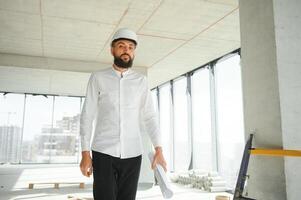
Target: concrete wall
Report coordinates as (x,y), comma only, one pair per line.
(287,19)
(271,59)
(261,97)
(43,81)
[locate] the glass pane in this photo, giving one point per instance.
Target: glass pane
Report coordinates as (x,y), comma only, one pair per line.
(201,120)
(11,119)
(79,147)
(36,146)
(154,98)
(229,118)
(64,135)
(165,123)
(182,147)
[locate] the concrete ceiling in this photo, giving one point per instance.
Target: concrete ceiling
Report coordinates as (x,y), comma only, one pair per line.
(74,35)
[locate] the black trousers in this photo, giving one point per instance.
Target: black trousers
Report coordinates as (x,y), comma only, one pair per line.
(115,178)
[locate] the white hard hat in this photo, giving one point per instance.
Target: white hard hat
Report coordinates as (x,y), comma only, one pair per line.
(125,33)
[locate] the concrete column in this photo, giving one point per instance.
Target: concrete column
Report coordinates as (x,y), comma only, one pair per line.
(261,97)
(287,20)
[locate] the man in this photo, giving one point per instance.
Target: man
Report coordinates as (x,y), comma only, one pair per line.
(120,102)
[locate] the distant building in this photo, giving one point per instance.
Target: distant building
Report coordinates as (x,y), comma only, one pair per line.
(53,144)
(69,124)
(60,143)
(10,141)
(29,151)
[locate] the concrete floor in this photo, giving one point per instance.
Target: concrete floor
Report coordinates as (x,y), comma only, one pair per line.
(14,180)
(47,192)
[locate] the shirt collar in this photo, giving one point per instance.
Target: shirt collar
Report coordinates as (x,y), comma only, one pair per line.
(119,74)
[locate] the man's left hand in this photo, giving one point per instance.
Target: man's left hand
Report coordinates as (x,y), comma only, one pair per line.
(159,159)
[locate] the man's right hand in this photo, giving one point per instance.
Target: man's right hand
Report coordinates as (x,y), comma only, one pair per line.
(86,164)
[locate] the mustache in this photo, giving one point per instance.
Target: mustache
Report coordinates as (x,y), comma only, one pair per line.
(125,54)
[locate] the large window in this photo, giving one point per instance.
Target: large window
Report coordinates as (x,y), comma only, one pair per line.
(165,123)
(11,121)
(230,129)
(64,134)
(37,147)
(39,128)
(182,145)
(201,121)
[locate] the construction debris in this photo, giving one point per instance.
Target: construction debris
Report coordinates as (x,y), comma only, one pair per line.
(208,181)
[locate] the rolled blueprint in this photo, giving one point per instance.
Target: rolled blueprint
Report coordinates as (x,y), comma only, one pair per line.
(161,178)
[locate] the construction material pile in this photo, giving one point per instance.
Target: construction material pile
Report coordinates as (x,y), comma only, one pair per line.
(208,181)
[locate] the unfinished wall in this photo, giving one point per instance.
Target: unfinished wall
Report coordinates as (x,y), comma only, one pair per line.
(261,97)
(287,19)
(271,59)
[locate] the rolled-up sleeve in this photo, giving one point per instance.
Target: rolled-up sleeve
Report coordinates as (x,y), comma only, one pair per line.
(88,113)
(150,116)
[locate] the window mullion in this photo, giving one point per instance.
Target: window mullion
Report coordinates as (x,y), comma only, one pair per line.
(215,153)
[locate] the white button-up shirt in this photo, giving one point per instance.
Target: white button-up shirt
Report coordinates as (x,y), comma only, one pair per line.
(121,105)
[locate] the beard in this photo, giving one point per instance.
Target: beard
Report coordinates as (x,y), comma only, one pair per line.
(123,64)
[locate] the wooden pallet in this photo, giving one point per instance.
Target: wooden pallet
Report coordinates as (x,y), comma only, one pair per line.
(71,197)
(56,184)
